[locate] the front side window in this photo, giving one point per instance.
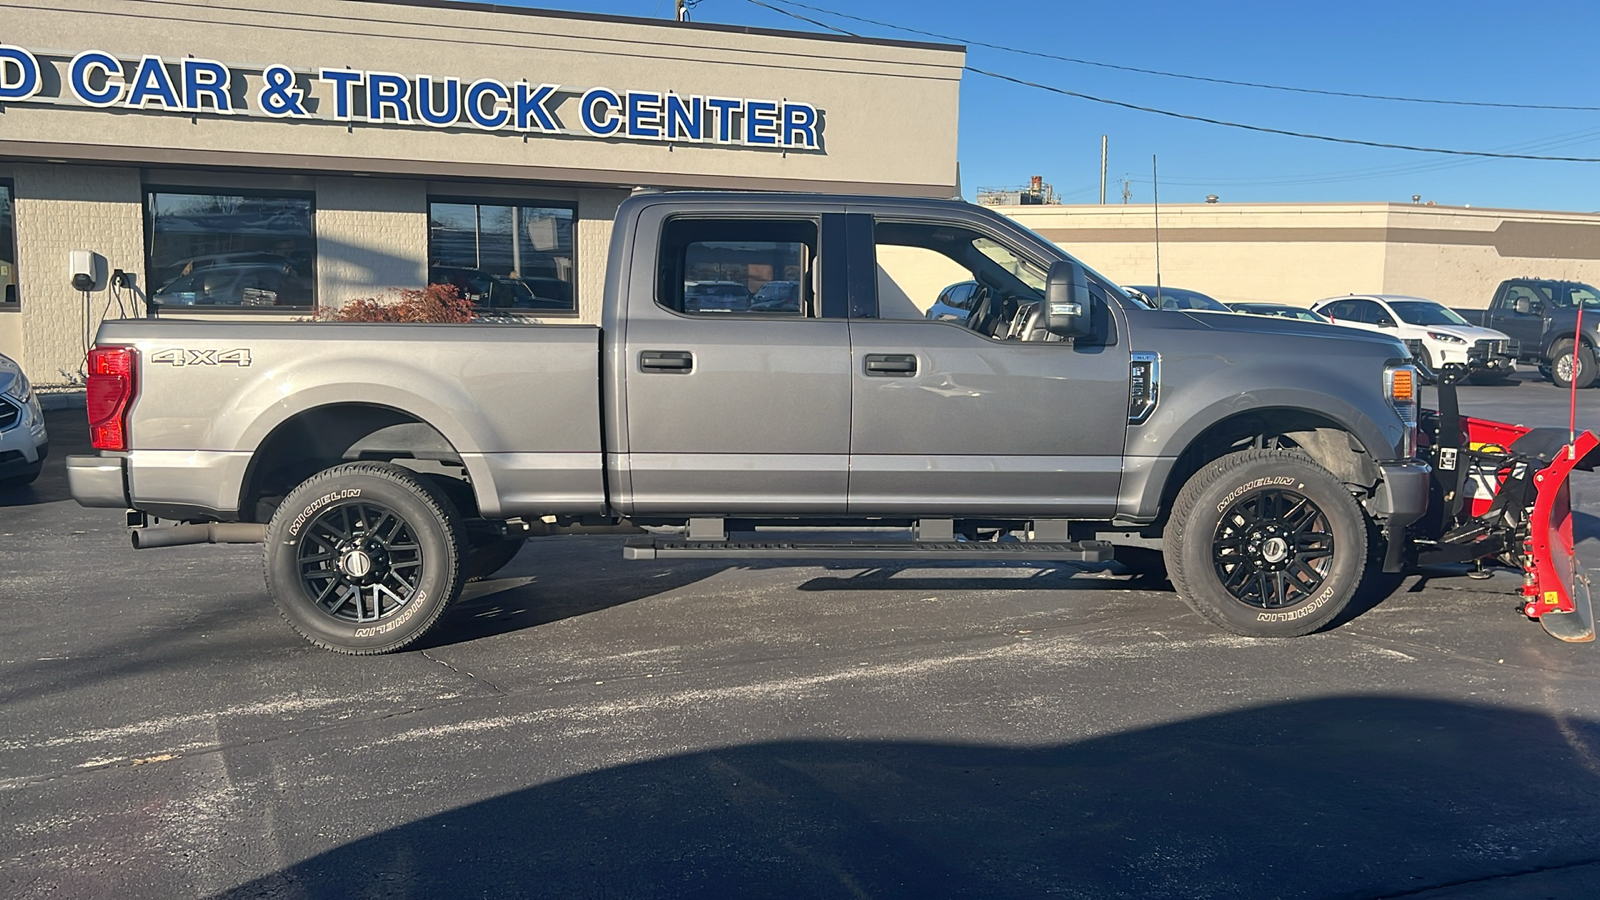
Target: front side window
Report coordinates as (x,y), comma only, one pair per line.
(8,249)
(720,267)
(500,256)
(228,251)
(921,262)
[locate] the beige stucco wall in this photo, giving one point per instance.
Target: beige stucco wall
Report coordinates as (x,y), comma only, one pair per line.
(370,232)
(1301,253)
(889,111)
(60,209)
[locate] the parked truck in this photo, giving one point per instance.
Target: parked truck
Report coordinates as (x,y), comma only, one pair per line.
(1540,315)
(1275,463)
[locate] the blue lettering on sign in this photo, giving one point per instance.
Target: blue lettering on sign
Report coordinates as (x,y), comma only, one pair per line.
(386,91)
(152,84)
(344,82)
(533,110)
(644,114)
(81,75)
(760,122)
(684,118)
(281,97)
(26,81)
(195,85)
(725,109)
(800,125)
(603,124)
(206,78)
(450,89)
(496,116)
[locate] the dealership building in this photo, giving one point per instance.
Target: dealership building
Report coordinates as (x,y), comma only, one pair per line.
(261,160)
(1299,253)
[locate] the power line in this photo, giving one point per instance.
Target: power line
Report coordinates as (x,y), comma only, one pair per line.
(1260,129)
(1263,129)
(1163,74)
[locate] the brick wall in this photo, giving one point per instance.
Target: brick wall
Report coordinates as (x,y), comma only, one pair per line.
(372,235)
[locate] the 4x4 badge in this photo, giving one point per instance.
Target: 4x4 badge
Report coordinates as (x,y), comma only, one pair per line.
(178,356)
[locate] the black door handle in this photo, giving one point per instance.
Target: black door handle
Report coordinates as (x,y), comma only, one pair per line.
(680,362)
(891,365)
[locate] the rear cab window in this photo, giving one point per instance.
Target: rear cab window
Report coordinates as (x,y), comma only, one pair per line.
(738,267)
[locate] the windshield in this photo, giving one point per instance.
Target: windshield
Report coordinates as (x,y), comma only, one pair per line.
(1025,270)
(1425,312)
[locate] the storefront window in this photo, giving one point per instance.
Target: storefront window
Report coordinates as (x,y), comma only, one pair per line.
(514,258)
(8,250)
(230,251)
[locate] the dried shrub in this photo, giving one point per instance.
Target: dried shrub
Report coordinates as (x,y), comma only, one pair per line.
(436,303)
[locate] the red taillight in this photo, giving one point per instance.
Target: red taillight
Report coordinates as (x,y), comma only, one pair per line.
(110,389)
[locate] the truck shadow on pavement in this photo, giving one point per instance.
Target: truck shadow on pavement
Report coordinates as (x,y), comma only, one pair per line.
(1355,796)
(69,433)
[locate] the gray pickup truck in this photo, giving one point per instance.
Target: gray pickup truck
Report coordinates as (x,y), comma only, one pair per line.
(1271,461)
(1541,314)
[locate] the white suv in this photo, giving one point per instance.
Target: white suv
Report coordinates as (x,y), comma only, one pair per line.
(1436,334)
(23,440)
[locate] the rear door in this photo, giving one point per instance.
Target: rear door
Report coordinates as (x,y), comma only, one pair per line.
(733,410)
(966,416)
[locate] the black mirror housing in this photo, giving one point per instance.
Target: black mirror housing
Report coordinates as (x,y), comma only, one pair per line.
(1067,308)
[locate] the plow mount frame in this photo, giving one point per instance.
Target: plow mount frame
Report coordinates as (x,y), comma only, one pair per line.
(1502,493)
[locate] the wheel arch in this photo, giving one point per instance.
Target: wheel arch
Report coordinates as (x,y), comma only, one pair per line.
(323,436)
(1332,444)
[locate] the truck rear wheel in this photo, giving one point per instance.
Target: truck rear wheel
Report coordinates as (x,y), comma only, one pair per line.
(1561,365)
(1266,543)
(364,558)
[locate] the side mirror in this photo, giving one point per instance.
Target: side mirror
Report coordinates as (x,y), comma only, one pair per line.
(1523,306)
(1385,322)
(1067,310)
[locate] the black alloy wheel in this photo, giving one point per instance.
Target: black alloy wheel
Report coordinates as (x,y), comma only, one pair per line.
(365,557)
(359,562)
(1273,548)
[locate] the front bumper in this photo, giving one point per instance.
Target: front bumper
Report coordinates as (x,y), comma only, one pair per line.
(98,481)
(1401,499)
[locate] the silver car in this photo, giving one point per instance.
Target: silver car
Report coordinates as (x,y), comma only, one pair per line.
(24,443)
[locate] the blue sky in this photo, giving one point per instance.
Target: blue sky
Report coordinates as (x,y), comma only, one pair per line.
(1529,52)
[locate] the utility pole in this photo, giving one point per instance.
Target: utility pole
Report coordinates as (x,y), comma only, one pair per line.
(1127,190)
(1102,170)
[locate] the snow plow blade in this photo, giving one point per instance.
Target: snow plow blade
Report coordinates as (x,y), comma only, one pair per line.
(1557,588)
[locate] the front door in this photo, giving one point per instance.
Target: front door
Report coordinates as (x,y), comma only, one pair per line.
(981,416)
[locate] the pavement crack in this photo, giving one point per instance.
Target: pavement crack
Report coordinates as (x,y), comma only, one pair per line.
(1520,873)
(475,678)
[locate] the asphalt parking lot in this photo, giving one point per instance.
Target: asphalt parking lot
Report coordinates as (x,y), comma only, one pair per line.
(592,728)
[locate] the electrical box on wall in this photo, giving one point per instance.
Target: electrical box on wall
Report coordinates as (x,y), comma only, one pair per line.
(87,270)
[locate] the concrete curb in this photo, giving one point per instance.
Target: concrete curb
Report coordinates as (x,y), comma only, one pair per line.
(61,400)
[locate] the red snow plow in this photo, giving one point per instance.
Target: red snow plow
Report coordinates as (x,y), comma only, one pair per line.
(1501,496)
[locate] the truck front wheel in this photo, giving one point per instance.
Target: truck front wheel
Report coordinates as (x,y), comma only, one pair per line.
(1266,543)
(1562,364)
(364,558)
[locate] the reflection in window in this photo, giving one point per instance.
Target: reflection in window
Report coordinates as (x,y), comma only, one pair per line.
(726,266)
(8,250)
(504,257)
(230,251)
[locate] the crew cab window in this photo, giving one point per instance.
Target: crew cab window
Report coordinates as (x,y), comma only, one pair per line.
(923,267)
(744,267)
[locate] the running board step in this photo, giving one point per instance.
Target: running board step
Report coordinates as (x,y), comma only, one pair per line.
(1057,551)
